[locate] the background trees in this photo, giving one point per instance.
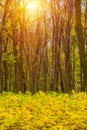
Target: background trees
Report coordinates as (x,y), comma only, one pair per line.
(43,49)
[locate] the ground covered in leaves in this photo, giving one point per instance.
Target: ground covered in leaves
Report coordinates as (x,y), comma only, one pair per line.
(43,111)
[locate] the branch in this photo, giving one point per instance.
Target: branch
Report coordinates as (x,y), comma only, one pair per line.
(1,5)
(8,33)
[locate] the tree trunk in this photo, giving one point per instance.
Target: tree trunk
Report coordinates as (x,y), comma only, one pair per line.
(81,43)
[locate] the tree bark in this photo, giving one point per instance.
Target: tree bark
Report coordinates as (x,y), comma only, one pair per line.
(81,43)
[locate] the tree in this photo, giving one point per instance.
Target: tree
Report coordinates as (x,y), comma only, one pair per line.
(81,43)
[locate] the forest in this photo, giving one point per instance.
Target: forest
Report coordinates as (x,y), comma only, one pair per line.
(43,64)
(43,45)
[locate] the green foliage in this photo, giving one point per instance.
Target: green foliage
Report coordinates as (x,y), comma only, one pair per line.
(43,112)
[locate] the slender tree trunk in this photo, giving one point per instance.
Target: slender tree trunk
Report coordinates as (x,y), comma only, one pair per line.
(81,43)
(1,33)
(5,65)
(16,58)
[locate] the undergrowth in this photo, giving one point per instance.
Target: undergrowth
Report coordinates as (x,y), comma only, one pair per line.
(42,111)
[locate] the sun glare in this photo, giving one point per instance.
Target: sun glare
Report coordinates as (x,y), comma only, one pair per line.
(33,6)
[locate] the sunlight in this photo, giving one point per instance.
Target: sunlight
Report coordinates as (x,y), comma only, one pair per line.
(33,6)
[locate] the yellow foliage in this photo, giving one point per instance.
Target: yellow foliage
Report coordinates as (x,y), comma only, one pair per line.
(43,111)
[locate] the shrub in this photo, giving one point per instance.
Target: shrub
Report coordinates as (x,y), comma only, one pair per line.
(43,111)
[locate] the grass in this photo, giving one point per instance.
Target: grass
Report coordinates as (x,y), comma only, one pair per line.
(42,111)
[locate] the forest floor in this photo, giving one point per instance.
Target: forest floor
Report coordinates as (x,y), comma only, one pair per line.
(42,111)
